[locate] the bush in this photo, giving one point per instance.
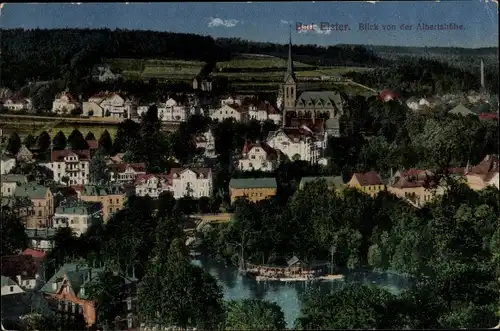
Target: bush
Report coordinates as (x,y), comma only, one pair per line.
(76,112)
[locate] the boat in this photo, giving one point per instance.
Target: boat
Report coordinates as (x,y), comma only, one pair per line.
(332,277)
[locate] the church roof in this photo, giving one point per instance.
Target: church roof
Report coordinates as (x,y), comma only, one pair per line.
(333,97)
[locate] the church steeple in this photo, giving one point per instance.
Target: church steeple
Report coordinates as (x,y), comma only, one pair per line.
(289,67)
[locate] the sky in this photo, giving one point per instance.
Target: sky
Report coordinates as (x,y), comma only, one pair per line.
(268,21)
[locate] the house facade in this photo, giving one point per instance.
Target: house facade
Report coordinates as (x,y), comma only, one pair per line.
(125,172)
(484,174)
(410,185)
(263,111)
(368,182)
(296,144)
(233,111)
(70,167)
(78,216)
(10,287)
(25,270)
(109,104)
(252,189)
(258,156)
(41,239)
(42,200)
(192,182)
(152,185)
(18,104)
(112,198)
(334,183)
(64,103)
(206,142)
(7,163)
(10,182)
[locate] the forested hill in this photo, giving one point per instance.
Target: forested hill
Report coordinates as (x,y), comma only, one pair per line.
(42,54)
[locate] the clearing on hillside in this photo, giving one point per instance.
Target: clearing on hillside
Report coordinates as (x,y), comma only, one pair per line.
(242,61)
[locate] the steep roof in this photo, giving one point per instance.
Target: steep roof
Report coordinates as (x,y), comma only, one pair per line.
(461,110)
(77,274)
(58,156)
(34,253)
(79,208)
(242,183)
(333,97)
(487,168)
(368,178)
(122,167)
(14,178)
(271,152)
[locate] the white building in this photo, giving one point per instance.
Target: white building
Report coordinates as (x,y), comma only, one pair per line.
(18,104)
(170,111)
(10,287)
(10,182)
(103,73)
(78,216)
(41,239)
(413,103)
(125,172)
(206,141)
(195,183)
(71,165)
(297,144)
(109,104)
(64,103)
(264,111)
(7,163)
(233,111)
(152,185)
(258,156)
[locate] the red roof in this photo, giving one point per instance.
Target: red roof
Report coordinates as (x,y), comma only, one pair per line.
(488,116)
(93,144)
(58,156)
(34,253)
(368,178)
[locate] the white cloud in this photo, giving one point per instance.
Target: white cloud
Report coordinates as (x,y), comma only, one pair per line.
(216,22)
(316,29)
(285,22)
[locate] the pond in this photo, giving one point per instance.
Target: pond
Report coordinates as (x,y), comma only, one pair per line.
(286,295)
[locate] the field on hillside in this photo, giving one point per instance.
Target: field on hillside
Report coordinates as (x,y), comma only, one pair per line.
(249,61)
(176,70)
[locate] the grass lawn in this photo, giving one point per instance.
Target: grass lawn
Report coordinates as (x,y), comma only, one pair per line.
(155,68)
(258,62)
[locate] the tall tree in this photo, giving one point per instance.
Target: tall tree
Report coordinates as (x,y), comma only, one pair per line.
(77,141)
(43,141)
(98,168)
(13,236)
(185,295)
(128,131)
(90,136)
(14,143)
(253,314)
(106,142)
(59,141)
(29,141)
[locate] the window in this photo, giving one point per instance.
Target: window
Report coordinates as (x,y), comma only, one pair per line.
(39,213)
(12,288)
(129,303)
(129,322)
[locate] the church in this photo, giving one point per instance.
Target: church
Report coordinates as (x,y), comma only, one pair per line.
(311,105)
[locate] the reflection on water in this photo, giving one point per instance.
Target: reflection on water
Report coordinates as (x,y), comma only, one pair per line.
(236,287)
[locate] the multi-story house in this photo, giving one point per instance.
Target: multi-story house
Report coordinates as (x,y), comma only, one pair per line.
(192,182)
(125,172)
(109,104)
(78,216)
(10,182)
(21,207)
(70,167)
(41,239)
(233,111)
(252,189)
(297,144)
(152,185)
(64,103)
(18,104)
(25,270)
(42,200)
(230,100)
(368,182)
(206,142)
(484,174)
(111,197)
(412,186)
(7,163)
(258,156)
(263,111)
(68,289)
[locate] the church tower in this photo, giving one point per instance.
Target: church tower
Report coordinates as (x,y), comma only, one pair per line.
(290,82)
